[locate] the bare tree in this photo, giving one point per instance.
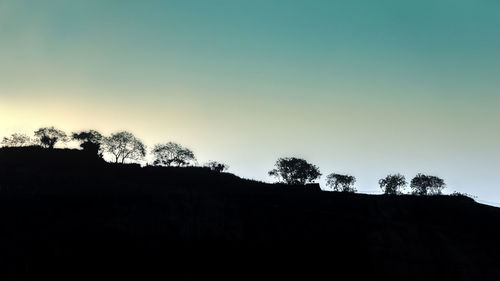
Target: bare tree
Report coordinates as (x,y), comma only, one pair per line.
(427,185)
(124,146)
(49,136)
(16,140)
(293,170)
(392,184)
(343,183)
(172,153)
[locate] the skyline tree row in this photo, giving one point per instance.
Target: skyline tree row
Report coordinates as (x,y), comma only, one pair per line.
(296,171)
(123,146)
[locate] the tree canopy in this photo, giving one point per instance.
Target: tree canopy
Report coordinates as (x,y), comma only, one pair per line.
(92,136)
(124,146)
(427,185)
(217,166)
(392,184)
(172,153)
(49,136)
(342,183)
(16,140)
(296,171)
(89,140)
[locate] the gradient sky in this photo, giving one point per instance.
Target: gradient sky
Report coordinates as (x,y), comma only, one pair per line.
(360,87)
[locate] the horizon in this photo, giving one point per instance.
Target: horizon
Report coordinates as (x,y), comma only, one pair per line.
(148,160)
(355,87)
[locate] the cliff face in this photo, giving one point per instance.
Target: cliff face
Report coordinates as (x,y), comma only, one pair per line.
(88,219)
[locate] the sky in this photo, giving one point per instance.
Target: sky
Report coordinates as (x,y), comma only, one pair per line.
(366,88)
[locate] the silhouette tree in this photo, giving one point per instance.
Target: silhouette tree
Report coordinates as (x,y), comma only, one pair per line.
(343,183)
(216,166)
(293,170)
(124,146)
(90,141)
(427,185)
(49,136)
(172,153)
(392,184)
(16,140)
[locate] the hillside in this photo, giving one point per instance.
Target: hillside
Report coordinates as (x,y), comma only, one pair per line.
(69,215)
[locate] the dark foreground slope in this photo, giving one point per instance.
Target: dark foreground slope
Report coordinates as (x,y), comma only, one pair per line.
(70,216)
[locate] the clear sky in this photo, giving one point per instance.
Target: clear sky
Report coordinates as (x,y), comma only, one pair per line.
(360,87)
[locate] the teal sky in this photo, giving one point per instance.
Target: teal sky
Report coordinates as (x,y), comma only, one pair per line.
(360,87)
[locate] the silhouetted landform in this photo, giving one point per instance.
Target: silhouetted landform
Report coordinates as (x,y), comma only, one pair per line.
(67,214)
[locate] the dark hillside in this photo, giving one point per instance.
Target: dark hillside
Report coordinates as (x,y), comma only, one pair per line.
(68,215)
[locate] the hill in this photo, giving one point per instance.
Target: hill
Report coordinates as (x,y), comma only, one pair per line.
(68,215)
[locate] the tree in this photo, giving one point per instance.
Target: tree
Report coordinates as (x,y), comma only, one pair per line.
(49,136)
(124,146)
(90,141)
(16,140)
(392,184)
(296,171)
(427,185)
(216,166)
(172,153)
(343,183)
